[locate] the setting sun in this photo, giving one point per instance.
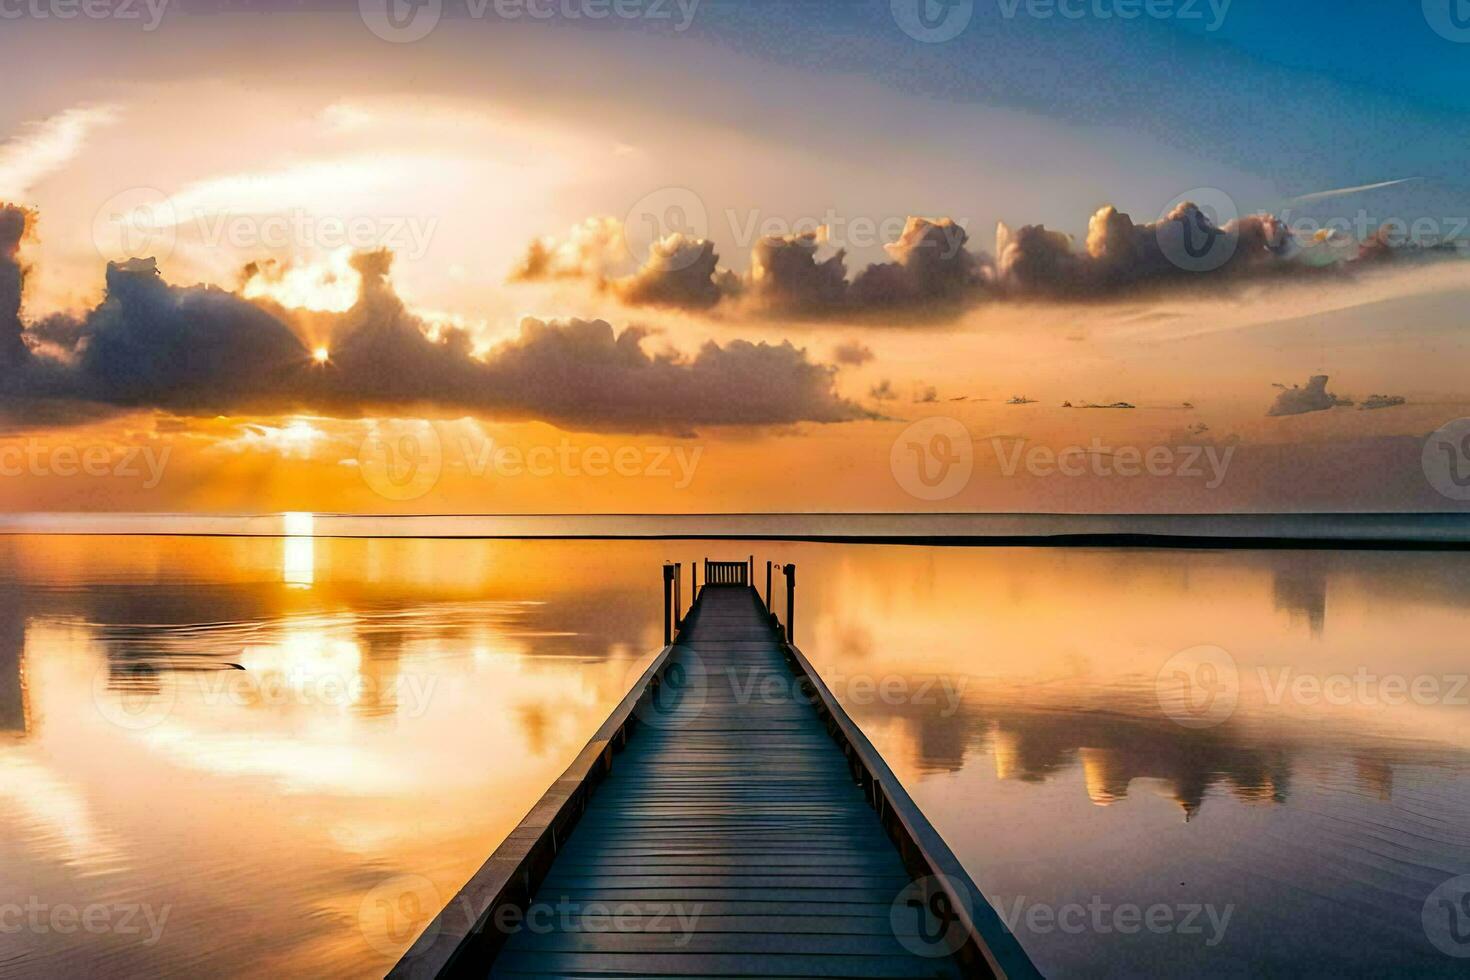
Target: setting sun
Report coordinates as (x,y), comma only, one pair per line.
(393,443)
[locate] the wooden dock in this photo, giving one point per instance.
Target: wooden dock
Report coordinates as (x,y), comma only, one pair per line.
(747,828)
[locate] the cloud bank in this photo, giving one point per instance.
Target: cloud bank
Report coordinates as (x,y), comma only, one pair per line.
(204,350)
(933,271)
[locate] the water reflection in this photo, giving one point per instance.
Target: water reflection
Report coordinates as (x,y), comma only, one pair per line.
(13,714)
(185,720)
(1299,586)
(298,559)
(1113,749)
(1324,815)
(205,733)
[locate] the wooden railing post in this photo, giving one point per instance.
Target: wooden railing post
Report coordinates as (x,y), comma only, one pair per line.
(790,571)
(678,594)
(693,582)
(750,571)
(768,586)
(668,603)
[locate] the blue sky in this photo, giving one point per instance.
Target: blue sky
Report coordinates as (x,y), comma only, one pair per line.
(1312,95)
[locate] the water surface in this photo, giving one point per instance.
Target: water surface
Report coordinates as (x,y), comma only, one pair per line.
(402,703)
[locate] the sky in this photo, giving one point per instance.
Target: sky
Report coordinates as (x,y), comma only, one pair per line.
(547,256)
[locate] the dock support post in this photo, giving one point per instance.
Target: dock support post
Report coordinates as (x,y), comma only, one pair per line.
(790,571)
(678,594)
(750,572)
(668,603)
(768,586)
(693,582)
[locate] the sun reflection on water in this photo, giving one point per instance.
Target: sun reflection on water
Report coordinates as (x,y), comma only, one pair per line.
(298,557)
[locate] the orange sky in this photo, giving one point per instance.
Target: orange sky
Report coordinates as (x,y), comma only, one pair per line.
(456,180)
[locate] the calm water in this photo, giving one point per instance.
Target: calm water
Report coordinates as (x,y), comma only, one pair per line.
(403,702)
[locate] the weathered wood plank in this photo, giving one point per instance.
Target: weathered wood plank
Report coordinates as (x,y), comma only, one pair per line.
(730,839)
(734,835)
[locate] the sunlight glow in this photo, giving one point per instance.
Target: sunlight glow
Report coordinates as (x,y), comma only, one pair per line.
(298,558)
(327,284)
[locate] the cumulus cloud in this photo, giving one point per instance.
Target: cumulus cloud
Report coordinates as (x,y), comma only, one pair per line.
(786,276)
(588,251)
(679,273)
(13,224)
(931,269)
(1313,398)
(933,272)
(1185,247)
(930,266)
(1387,245)
(204,350)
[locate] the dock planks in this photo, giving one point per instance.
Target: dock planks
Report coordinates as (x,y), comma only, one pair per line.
(730,839)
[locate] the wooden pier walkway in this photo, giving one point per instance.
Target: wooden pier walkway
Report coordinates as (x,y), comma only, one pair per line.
(743,831)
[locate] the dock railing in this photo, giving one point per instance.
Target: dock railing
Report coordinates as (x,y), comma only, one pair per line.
(726,572)
(987,948)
